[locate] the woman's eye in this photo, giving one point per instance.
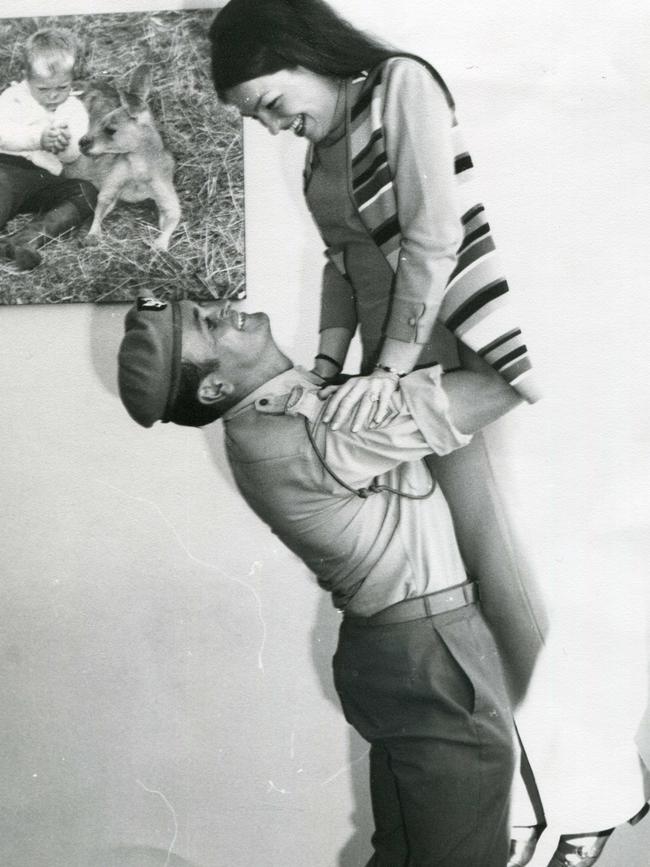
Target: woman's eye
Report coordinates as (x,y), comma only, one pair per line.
(270,106)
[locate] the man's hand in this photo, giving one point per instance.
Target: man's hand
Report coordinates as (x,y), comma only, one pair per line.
(55,138)
(362,400)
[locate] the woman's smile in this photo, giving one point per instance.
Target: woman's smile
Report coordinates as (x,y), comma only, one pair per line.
(298,126)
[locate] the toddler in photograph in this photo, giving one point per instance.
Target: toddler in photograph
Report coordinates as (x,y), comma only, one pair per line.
(41,123)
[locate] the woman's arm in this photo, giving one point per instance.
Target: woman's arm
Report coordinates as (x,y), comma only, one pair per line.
(399,355)
(338,322)
(332,350)
(420,149)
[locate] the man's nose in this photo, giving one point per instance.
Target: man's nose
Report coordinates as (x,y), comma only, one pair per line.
(214,310)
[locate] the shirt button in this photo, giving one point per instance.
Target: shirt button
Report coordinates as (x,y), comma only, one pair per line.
(413,321)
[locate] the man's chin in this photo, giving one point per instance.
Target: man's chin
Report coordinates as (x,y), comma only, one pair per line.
(259,318)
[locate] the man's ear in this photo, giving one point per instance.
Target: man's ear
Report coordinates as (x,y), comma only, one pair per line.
(213,389)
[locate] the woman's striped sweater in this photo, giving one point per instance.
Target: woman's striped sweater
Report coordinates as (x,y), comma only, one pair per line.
(475,305)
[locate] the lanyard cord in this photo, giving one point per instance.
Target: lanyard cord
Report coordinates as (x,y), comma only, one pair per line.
(373,487)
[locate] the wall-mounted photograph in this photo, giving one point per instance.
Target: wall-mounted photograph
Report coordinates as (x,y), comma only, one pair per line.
(121,174)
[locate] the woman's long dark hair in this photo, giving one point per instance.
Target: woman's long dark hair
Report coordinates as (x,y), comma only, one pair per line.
(251,38)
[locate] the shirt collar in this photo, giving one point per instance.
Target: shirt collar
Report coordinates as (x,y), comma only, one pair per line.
(281,384)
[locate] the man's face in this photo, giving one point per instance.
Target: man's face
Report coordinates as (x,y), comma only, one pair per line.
(217,332)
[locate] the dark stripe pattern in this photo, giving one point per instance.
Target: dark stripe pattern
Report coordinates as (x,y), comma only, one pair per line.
(473,306)
(475,303)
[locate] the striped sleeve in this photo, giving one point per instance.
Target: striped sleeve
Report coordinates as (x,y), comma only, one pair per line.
(475,304)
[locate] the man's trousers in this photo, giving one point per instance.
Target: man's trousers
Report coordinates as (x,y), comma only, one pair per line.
(429,695)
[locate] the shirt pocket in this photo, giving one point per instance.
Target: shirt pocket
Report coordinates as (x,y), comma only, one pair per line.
(264,438)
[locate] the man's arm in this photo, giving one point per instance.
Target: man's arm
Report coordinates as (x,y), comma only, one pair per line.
(433,413)
(477,399)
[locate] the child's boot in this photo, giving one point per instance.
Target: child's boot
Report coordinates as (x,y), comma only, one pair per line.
(22,246)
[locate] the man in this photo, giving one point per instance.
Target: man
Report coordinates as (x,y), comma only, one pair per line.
(416,668)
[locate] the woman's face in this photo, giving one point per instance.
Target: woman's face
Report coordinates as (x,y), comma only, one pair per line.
(296,100)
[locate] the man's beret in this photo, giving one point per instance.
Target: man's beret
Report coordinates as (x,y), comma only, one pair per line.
(149,359)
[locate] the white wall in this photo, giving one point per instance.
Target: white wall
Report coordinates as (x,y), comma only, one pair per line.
(166,688)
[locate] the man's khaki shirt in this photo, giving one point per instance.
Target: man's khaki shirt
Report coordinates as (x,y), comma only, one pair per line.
(368,552)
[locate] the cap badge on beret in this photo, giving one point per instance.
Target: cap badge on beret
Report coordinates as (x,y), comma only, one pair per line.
(151,303)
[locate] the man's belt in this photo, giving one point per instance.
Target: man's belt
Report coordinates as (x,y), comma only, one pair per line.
(421,606)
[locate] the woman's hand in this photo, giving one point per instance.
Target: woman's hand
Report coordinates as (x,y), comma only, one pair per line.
(362,401)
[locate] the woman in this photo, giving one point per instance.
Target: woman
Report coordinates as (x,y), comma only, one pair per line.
(391,188)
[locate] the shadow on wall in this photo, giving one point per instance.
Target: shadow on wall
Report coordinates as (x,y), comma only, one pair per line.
(105,333)
(138,856)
